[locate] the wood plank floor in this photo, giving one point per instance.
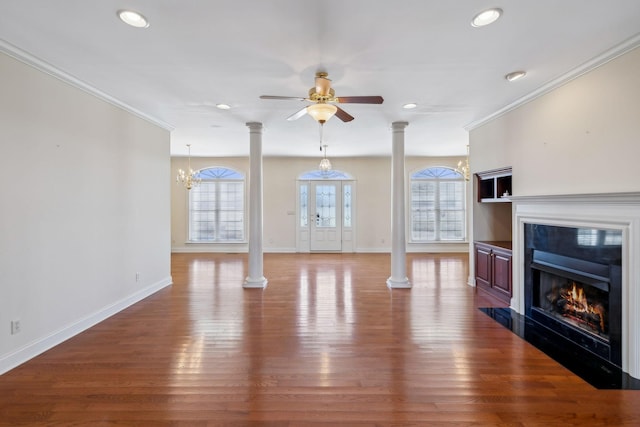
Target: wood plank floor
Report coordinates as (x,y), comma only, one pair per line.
(326,343)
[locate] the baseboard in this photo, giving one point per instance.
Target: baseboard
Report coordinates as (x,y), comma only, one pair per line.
(439,247)
(373,250)
(436,248)
(35,348)
(203,249)
(280,250)
(411,248)
(227,250)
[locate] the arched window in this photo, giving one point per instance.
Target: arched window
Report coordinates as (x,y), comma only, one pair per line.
(318,174)
(437,205)
(216,206)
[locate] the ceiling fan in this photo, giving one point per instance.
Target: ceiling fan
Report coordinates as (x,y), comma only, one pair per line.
(324,99)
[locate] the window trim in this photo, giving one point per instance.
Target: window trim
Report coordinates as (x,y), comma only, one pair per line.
(437,174)
(226,174)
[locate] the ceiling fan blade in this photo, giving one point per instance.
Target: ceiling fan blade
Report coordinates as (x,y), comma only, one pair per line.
(343,115)
(282,97)
(298,114)
(360,99)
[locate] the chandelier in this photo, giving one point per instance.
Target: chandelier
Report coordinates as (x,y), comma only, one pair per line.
(325,164)
(188,178)
(463,167)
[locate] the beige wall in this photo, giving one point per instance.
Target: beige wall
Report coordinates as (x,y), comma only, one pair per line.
(85,210)
(372,209)
(580,138)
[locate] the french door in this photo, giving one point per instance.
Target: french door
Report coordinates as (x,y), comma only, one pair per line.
(326,224)
(325,216)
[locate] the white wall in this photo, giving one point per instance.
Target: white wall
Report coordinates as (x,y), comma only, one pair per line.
(85,206)
(372,208)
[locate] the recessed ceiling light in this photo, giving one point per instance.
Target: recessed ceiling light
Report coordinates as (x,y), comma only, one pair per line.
(133,18)
(223,106)
(515,75)
(487,17)
(409,106)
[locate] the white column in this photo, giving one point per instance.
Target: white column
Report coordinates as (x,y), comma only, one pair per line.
(255,279)
(398,277)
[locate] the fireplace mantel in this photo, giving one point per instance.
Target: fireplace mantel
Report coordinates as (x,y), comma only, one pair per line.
(618,211)
(623,198)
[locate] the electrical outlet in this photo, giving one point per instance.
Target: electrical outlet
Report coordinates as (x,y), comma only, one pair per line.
(137,276)
(15,326)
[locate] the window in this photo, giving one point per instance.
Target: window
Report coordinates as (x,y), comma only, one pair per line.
(437,205)
(216,207)
(346,208)
(304,205)
(326,206)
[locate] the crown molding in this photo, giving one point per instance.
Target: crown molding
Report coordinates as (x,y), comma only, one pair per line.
(609,55)
(45,67)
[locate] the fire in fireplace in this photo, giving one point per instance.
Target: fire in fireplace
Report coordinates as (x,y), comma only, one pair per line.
(577,303)
(573,286)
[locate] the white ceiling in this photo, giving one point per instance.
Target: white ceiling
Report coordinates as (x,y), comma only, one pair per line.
(196,54)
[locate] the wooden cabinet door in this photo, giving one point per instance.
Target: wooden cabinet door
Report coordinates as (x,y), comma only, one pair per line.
(502,272)
(483,266)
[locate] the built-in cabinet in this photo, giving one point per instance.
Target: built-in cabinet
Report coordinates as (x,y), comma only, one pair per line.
(492,233)
(494,269)
(494,185)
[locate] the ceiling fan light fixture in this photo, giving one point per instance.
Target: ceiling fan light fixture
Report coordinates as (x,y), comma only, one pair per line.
(515,75)
(486,17)
(321,111)
(133,18)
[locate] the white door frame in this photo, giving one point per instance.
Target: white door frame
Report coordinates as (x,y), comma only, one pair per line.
(305,215)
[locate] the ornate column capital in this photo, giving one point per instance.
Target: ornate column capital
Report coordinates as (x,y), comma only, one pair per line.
(254,126)
(399,125)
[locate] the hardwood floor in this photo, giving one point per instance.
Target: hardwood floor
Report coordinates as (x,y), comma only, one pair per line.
(326,343)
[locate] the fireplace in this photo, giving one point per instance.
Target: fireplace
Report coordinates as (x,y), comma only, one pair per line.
(605,231)
(573,285)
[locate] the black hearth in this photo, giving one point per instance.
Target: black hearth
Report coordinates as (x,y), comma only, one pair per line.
(573,285)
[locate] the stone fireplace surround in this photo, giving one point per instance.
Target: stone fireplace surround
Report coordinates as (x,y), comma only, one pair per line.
(618,211)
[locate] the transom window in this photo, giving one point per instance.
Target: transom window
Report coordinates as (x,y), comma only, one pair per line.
(216,206)
(318,175)
(437,205)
